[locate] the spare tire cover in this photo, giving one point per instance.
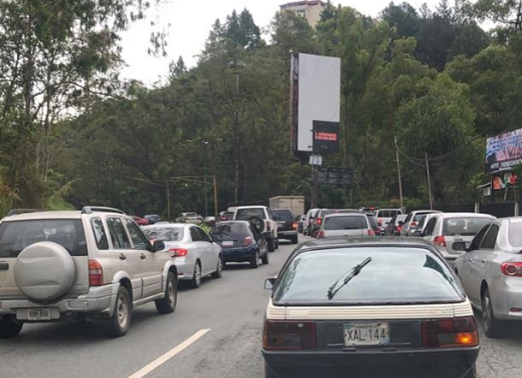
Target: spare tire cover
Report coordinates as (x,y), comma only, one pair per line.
(44,271)
(258,223)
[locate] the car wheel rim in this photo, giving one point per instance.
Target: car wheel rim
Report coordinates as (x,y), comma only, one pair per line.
(123,309)
(219,265)
(197,274)
(172,297)
(486,312)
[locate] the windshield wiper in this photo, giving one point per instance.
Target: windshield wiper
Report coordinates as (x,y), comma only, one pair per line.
(353,272)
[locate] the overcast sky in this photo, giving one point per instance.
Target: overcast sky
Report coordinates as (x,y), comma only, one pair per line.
(191,22)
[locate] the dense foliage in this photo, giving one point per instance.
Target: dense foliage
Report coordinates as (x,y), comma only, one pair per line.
(73,134)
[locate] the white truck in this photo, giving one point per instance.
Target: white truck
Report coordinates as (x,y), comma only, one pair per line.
(296,204)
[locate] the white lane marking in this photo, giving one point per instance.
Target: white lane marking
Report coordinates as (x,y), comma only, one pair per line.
(172,353)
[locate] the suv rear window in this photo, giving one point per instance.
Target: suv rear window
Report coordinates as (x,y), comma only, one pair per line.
(345,223)
(230,228)
(246,214)
(16,235)
(284,215)
(395,275)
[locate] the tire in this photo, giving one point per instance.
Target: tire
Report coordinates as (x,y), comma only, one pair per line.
(264,259)
(294,239)
(492,326)
(277,243)
(271,244)
(254,262)
(10,327)
(167,305)
(120,321)
(195,282)
(219,269)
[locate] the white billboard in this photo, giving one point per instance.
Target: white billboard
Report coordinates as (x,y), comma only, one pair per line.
(316,96)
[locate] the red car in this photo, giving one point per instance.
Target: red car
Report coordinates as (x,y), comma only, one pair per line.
(140,221)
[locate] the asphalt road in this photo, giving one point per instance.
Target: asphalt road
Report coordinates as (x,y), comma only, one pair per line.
(214,333)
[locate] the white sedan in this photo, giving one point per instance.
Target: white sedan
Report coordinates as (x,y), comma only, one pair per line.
(196,255)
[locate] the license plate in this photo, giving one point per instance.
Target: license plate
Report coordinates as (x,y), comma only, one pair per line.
(228,243)
(366,334)
(37,314)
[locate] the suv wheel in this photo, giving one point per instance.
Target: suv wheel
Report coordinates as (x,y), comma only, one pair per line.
(10,327)
(264,259)
(119,323)
(167,305)
(195,282)
(219,268)
(271,244)
(254,262)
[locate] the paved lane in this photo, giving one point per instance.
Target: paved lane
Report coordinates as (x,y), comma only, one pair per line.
(231,308)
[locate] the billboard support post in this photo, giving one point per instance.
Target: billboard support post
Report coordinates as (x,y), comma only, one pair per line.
(429,181)
(315,161)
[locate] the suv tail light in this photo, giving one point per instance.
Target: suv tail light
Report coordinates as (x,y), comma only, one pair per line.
(454,332)
(371,233)
(178,252)
(319,221)
(294,226)
(320,234)
(247,241)
(95,273)
(289,335)
(513,269)
(439,241)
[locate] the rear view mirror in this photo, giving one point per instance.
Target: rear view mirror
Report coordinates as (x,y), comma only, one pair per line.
(157,245)
(269,283)
(460,246)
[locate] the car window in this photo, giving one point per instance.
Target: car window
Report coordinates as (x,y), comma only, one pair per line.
(430,227)
(395,274)
(119,237)
(463,226)
(230,228)
(246,214)
(515,234)
(139,240)
(164,233)
(345,223)
(194,234)
(372,221)
(69,233)
(284,215)
(475,243)
(100,235)
(490,238)
(408,218)
(203,236)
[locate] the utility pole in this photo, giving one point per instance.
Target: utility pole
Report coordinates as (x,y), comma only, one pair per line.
(429,180)
(216,212)
(168,199)
(236,131)
(399,173)
(205,144)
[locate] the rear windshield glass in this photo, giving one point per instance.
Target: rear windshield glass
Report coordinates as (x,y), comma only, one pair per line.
(515,234)
(463,226)
(230,228)
(164,233)
(284,215)
(69,233)
(395,274)
(419,216)
(345,223)
(246,214)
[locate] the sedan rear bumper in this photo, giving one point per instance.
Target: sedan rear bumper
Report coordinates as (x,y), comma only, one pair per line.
(447,363)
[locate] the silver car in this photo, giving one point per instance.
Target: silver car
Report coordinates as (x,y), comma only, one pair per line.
(412,221)
(491,272)
(444,229)
(345,225)
(195,254)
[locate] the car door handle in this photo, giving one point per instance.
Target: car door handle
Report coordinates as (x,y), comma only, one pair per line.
(4,266)
(143,257)
(123,257)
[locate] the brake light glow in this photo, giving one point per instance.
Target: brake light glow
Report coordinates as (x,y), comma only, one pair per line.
(95,273)
(289,335)
(454,332)
(178,252)
(513,269)
(319,221)
(439,241)
(294,226)
(247,241)
(399,228)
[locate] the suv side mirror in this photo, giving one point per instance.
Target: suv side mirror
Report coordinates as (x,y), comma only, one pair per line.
(269,283)
(156,245)
(460,246)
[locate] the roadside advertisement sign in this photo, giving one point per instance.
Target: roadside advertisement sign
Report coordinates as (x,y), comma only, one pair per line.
(504,151)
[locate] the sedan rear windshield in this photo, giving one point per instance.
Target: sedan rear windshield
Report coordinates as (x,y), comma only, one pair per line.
(464,226)
(69,233)
(395,275)
(164,233)
(345,223)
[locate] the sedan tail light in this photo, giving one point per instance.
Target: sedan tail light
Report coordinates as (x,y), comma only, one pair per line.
(247,241)
(513,269)
(283,335)
(95,273)
(398,228)
(178,252)
(439,241)
(454,332)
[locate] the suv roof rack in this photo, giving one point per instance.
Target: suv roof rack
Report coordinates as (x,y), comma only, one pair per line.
(101,209)
(23,211)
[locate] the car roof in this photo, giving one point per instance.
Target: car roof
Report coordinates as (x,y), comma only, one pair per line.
(465,215)
(167,225)
(251,207)
(48,215)
(233,221)
(339,215)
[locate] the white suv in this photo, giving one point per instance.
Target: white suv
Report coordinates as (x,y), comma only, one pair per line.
(263,219)
(95,263)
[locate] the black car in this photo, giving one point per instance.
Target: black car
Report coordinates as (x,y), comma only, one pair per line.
(240,242)
(372,308)
(286,225)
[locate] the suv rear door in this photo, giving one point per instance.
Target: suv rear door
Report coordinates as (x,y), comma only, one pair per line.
(16,235)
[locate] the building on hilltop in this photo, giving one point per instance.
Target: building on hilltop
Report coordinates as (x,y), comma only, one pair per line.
(311,10)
